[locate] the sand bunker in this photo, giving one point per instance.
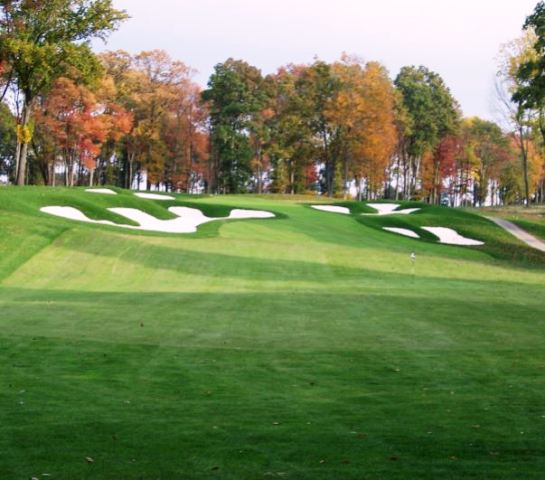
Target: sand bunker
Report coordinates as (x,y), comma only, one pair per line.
(154,196)
(402,231)
(241,214)
(187,221)
(447,236)
(390,209)
(451,237)
(332,209)
(105,191)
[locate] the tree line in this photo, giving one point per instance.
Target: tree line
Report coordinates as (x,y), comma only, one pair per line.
(70,116)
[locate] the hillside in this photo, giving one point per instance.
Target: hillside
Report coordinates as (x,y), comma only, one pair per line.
(304,346)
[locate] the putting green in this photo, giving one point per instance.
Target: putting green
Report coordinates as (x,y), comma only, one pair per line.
(308,346)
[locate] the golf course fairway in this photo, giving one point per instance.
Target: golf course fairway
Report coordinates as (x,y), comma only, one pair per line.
(305,346)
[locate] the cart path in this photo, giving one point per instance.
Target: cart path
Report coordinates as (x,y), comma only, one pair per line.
(519,233)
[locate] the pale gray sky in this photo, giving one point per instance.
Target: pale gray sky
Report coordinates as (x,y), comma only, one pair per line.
(459,39)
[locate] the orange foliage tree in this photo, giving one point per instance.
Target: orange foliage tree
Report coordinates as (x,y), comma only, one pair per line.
(74,119)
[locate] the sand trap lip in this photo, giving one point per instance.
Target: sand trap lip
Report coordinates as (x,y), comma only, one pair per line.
(105,191)
(332,209)
(390,209)
(187,221)
(72,213)
(402,231)
(449,236)
(154,196)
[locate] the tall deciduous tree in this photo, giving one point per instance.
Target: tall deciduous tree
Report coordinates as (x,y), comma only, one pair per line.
(530,68)
(72,116)
(43,40)
(316,90)
(292,145)
(433,112)
(519,101)
(7,140)
(235,97)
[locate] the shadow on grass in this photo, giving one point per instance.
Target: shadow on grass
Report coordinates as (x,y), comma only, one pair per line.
(220,265)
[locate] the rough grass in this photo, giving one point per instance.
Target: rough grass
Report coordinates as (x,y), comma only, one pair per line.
(306,347)
(530,219)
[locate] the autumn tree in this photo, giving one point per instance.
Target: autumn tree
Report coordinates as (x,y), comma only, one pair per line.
(185,136)
(72,116)
(348,118)
(41,41)
(375,135)
(526,72)
(168,140)
(519,106)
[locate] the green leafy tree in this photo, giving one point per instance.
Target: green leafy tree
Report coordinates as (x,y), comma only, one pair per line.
(43,40)
(530,69)
(433,114)
(235,97)
(7,140)
(316,90)
(291,147)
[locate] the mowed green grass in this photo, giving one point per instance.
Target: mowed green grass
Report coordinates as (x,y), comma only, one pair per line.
(304,347)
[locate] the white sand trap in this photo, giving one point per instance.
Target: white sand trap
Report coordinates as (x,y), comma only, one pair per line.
(241,214)
(187,221)
(402,231)
(451,237)
(154,196)
(390,209)
(105,191)
(332,209)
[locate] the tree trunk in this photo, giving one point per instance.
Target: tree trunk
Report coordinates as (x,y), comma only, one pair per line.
(129,173)
(22,146)
(524,152)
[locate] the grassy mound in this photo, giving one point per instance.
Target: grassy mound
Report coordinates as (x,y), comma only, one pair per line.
(307,347)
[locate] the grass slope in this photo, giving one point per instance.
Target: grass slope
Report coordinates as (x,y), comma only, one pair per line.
(530,219)
(304,347)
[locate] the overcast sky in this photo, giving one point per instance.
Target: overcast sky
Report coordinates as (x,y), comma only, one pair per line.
(459,39)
